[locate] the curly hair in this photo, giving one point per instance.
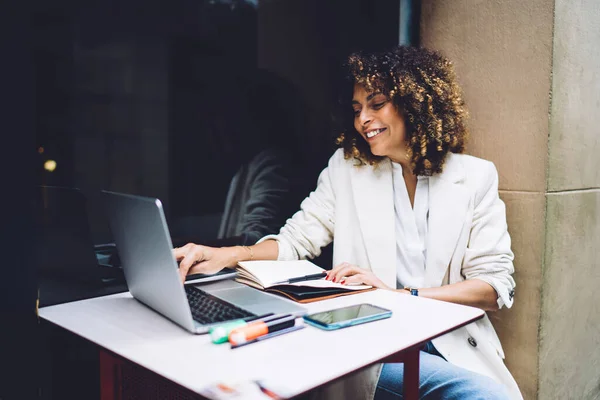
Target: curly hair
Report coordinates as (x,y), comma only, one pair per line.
(422,85)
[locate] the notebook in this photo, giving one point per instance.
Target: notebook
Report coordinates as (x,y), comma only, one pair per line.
(275,276)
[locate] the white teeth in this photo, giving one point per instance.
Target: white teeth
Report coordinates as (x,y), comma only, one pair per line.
(373,133)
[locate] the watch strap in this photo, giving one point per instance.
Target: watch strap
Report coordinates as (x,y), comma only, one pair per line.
(412,291)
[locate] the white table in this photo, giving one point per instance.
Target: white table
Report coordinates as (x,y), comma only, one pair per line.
(298,362)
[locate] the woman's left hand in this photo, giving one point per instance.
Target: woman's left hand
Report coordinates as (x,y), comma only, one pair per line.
(349,274)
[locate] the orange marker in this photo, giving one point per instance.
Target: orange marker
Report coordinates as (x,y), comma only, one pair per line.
(256,329)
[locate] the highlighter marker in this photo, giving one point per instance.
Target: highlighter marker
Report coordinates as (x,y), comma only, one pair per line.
(259,328)
(220,333)
(296,327)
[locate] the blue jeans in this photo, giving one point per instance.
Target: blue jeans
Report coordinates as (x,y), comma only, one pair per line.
(438,379)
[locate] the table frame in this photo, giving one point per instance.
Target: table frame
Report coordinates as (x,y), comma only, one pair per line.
(114,354)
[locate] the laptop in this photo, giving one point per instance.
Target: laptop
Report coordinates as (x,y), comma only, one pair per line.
(144,245)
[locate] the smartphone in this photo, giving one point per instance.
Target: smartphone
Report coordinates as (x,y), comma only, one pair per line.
(347,316)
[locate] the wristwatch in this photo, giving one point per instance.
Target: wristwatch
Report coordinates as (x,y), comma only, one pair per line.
(413,291)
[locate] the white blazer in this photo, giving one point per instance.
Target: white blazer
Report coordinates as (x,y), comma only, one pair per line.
(467,239)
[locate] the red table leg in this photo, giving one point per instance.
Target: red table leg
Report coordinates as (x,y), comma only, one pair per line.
(411,375)
(410,358)
(110,376)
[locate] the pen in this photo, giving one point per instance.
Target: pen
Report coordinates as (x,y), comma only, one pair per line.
(270,335)
(303,278)
(220,333)
(252,331)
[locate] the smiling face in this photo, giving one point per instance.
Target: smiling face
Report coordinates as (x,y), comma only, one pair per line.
(379,122)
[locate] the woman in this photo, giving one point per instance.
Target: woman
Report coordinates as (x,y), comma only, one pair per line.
(409,213)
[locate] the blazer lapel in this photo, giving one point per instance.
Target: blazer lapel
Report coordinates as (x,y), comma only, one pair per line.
(373,194)
(448,204)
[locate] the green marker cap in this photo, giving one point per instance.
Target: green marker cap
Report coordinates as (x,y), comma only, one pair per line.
(220,333)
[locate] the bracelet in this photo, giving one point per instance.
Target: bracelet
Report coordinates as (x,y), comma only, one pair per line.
(250,251)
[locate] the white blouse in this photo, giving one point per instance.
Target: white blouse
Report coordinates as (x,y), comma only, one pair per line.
(411,230)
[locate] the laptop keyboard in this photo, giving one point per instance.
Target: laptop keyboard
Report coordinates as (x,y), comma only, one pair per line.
(208,309)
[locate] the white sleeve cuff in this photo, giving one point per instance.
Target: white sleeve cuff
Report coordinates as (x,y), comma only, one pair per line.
(505,296)
(286,251)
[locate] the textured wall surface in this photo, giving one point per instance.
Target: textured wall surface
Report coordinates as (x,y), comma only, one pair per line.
(569,359)
(574,141)
(570,323)
(502,51)
(517,326)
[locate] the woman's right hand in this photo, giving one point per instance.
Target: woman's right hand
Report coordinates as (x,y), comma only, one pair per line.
(198,259)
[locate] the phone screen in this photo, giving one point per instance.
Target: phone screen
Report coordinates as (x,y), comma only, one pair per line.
(347,313)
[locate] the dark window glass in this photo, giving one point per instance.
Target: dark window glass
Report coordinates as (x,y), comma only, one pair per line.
(173,99)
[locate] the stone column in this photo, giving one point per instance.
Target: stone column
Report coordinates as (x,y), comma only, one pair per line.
(569,346)
(531,75)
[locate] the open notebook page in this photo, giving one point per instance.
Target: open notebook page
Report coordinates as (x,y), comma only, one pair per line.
(269,273)
(328,284)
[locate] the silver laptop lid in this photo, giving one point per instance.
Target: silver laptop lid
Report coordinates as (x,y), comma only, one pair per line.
(143,241)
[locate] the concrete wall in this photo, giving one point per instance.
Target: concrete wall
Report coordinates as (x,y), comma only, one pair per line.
(569,350)
(502,52)
(574,141)
(531,78)
(569,354)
